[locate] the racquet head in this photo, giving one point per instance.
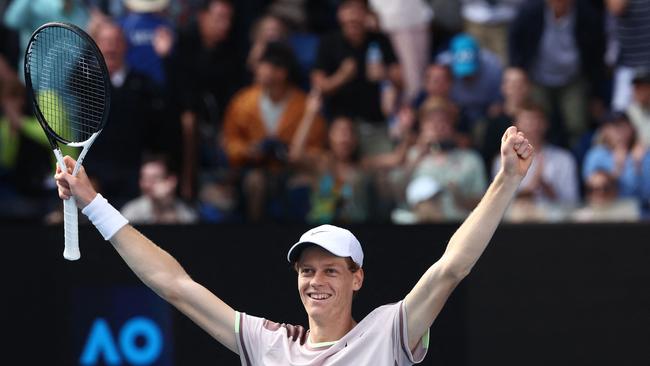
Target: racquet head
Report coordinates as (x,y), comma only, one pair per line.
(68,81)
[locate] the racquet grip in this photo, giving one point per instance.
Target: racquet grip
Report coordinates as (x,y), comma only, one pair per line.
(71,230)
(70,220)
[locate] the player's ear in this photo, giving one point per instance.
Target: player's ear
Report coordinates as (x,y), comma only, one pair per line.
(357,279)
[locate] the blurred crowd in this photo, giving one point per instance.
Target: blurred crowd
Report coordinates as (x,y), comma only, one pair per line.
(344,111)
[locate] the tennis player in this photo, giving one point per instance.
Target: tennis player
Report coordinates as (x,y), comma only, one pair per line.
(329,264)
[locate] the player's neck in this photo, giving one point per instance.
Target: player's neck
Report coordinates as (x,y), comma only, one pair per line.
(329,330)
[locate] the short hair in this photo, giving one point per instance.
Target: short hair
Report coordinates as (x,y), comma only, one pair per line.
(205,4)
(257,24)
(346,3)
(280,55)
(435,105)
(152,157)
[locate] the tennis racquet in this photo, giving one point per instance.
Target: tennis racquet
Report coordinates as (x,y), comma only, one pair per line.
(68,82)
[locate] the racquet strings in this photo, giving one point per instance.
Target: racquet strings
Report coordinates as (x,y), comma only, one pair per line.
(68,83)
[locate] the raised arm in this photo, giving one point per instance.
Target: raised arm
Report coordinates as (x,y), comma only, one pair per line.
(157,268)
(426,299)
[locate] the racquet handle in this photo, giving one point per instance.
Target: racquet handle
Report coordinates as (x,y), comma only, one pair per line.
(70,220)
(70,229)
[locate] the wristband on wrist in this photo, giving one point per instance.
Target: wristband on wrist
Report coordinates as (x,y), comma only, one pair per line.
(105,217)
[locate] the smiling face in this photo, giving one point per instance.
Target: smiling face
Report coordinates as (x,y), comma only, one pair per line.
(326,284)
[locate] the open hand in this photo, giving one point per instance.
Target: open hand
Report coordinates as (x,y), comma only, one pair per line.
(516,153)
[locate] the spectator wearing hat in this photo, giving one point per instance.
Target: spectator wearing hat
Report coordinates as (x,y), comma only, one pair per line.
(142,25)
(639,109)
(633,40)
(424,204)
(477,76)
(261,121)
(560,44)
(435,154)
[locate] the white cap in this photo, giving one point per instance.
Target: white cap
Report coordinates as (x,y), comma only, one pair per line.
(421,189)
(336,240)
(147,6)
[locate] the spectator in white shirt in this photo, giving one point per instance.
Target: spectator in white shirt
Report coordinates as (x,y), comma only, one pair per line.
(553,178)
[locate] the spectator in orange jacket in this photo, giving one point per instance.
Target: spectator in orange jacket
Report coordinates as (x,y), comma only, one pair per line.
(261,121)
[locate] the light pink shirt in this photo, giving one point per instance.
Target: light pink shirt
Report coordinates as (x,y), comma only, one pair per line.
(381,338)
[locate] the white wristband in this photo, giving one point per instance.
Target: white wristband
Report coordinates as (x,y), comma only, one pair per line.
(105,217)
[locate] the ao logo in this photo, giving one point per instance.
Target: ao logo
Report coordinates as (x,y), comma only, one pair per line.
(102,346)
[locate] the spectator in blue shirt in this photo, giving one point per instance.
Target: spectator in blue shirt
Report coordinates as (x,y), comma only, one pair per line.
(141,25)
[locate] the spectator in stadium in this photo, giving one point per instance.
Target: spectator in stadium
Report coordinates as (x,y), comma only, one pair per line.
(459,171)
(437,86)
(477,76)
(142,25)
(438,81)
(487,21)
(345,185)
(639,109)
(407,23)
(158,203)
(424,203)
(340,189)
(603,203)
(618,153)
(561,45)
(515,88)
(269,28)
(205,67)
(24,16)
(26,159)
(260,123)
(136,107)
(552,179)
(353,68)
(633,40)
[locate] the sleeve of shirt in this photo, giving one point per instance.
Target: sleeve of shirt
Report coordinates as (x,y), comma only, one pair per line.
(250,338)
(565,179)
(404,355)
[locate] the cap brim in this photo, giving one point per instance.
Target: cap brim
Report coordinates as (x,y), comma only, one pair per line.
(296,249)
